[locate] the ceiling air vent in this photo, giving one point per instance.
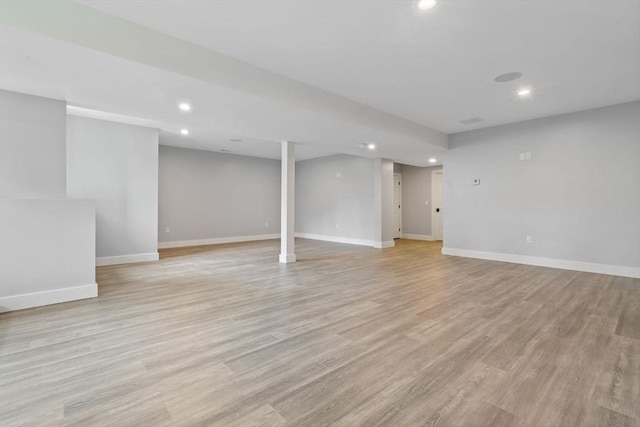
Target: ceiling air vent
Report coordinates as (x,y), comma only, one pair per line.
(472,121)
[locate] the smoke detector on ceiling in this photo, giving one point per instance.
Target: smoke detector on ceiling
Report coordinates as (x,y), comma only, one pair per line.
(508,77)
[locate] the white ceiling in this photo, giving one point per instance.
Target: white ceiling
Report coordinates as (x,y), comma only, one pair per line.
(409,71)
(435,67)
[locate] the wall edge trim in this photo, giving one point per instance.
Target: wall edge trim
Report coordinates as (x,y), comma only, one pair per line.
(417,237)
(335,239)
(53,296)
(126,259)
(216,241)
(565,264)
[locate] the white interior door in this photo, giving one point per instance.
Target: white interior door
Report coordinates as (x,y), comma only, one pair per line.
(397,208)
(437,181)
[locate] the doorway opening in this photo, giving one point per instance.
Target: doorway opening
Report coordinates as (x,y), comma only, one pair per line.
(397,205)
(437,198)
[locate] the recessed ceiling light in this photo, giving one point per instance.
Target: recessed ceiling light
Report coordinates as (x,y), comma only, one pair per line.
(371,146)
(184,131)
(508,77)
(426,4)
(432,160)
(235,140)
(184,106)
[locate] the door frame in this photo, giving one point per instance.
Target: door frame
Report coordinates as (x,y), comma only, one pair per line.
(397,177)
(433,208)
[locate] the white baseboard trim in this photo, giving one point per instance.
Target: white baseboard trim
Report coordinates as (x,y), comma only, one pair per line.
(565,264)
(216,241)
(382,245)
(287,258)
(417,237)
(335,239)
(126,259)
(55,296)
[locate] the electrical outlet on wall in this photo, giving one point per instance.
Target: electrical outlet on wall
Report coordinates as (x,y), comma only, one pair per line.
(167,229)
(529,238)
(266,224)
(337,225)
(338,174)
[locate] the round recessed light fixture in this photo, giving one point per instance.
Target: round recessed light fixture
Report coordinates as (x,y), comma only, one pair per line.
(426,4)
(235,140)
(369,145)
(184,106)
(433,160)
(523,93)
(184,132)
(508,77)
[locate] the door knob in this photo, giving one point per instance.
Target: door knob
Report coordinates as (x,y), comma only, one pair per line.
(437,209)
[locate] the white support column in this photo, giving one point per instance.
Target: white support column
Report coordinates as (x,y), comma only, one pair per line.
(287,203)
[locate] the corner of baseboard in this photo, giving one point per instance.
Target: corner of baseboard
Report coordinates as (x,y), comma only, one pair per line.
(287,258)
(384,245)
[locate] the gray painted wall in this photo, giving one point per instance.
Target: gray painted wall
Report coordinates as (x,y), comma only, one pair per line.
(117,166)
(32,146)
(325,201)
(208,195)
(578,196)
(416,190)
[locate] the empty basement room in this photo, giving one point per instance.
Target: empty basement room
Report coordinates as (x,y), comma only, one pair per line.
(320,213)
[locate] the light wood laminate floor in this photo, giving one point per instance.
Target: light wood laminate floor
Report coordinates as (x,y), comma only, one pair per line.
(348,336)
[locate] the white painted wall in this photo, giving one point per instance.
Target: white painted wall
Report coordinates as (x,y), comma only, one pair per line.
(332,207)
(416,202)
(47,242)
(47,252)
(578,196)
(209,197)
(32,146)
(117,166)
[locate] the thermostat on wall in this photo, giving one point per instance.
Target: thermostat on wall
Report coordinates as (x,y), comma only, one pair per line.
(476,181)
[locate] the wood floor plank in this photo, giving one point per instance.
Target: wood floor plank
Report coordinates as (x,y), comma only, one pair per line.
(609,418)
(629,321)
(618,387)
(224,335)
